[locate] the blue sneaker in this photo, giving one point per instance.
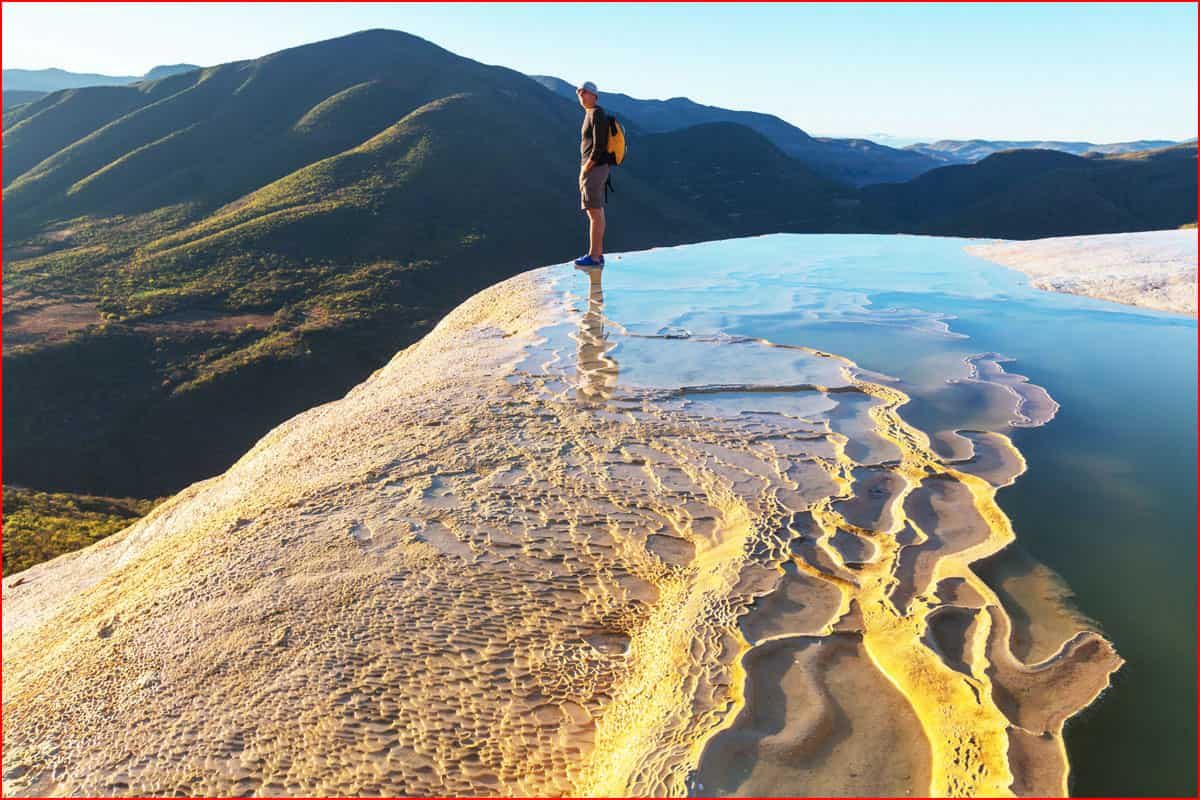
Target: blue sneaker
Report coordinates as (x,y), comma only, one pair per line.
(588,261)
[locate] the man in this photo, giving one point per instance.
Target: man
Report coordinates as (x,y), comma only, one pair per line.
(593,171)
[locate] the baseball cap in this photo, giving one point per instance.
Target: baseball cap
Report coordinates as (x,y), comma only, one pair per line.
(588,86)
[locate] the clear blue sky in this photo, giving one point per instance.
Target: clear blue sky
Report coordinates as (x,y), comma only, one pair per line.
(1102,72)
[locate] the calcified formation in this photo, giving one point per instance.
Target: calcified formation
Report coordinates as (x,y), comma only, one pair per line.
(515,561)
(1153,269)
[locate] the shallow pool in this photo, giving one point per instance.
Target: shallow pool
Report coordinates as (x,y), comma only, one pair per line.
(1108,501)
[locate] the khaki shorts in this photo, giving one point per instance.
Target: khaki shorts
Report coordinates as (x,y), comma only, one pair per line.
(591,186)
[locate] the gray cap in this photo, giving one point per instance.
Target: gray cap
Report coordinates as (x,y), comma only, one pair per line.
(588,86)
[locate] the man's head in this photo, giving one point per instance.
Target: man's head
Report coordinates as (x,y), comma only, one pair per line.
(587,94)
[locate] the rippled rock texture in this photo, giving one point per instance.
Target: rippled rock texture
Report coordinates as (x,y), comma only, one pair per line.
(521,560)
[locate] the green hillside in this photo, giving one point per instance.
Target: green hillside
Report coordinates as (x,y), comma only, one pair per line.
(40,525)
(257,237)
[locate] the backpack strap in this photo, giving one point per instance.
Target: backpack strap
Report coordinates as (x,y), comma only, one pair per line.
(608,187)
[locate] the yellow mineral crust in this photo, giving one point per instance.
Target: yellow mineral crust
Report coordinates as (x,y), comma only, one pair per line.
(496,568)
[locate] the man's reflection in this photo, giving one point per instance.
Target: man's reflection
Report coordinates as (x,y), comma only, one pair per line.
(597,371)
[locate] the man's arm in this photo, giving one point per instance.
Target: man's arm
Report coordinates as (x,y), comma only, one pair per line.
(599,140)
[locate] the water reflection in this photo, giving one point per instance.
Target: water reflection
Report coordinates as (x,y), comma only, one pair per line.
(1094,474)
(597,370)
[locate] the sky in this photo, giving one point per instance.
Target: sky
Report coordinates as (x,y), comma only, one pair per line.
(1100,72)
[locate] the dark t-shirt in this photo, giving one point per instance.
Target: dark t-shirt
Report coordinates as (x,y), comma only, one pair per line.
(593,143)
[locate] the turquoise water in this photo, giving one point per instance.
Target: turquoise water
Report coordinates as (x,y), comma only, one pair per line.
(1109,498)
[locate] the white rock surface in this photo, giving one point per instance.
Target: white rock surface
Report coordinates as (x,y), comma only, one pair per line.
(1152,269)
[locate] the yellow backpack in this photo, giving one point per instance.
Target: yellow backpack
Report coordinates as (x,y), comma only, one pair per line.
(616,141)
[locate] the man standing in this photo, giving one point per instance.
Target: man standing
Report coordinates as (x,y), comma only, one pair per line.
(593,172)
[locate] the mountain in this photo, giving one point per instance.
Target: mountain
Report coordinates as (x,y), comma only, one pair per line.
(853,161)
(18,97)
(958,151)
(891,140)
(263,234)
(166,70)
(1026,194)
(51,80)
(857,161)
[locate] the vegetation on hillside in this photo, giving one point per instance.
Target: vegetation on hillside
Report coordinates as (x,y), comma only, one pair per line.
(39,526)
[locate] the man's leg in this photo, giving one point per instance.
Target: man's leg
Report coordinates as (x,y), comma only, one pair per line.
(595,232)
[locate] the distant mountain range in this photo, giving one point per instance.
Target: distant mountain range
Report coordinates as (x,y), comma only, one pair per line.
(26,85)
(1025,194)
(889,139)
(51,80)
(853,161)
(261,235)
(859,161)
(959,151)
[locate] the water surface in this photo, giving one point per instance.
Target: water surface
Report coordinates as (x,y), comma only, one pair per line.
(1108,502)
